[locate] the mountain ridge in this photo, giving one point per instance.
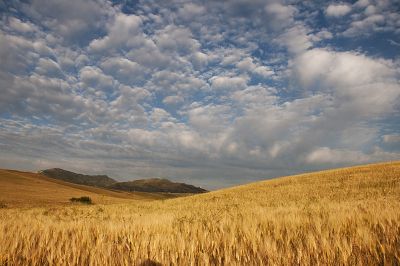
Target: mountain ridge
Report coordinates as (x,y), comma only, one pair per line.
(139,185)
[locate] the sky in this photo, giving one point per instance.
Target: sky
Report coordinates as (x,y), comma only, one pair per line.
(211,93)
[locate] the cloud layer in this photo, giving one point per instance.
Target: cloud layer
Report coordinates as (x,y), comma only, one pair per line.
(212,93)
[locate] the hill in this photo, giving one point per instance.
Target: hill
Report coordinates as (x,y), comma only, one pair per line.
(27,189)
(141,185)
(89,180)
(348,216)
(156,185)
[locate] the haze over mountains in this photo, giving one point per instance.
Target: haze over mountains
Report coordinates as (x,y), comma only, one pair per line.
(104,181)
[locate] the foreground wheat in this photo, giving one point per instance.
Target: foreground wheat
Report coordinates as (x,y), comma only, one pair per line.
(347,216)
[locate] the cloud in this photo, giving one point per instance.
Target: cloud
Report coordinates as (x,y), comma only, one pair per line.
(124,30)
(124,70)
(248,65)
(329,156)
(228,83)
(180,40)
(95,78)
(46,66)
(190,10)
(297,39)
(23,27)
(279,15)
(356,81)
(72,22)
(213,93)
(379,16)
(173,100)
(337,10)
(390,139)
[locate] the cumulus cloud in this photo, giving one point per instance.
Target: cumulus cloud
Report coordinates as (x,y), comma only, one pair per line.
(279,15)
(46,66)
(69,19)
(122,31)
(228,83)
(355,79)
(18,25)
(391,139)
(95,78)
(124,70)
(248,65)
(213,93)
(173,100)
(338,10)
(329,156)
(297,39)
(172,38)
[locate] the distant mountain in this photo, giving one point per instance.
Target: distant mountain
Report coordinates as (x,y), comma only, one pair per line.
(89,180)
(141,185)
(156,185)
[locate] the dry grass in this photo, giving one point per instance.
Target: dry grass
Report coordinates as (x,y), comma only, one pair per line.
(24,189)
(340,217)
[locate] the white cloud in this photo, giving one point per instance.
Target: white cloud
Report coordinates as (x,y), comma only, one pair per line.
(21,26)
(297,39)
(391,139)
(254,96)
(223,89)
(228,83)
(72,21)
(210,118)
(124,30)
(95,78)
(279,15)
(353,78)
(124,70)
(48,67)
(191,10)
(329,156)
(173,100)
(362,3)
(338,10)
(180,40)
(248,65)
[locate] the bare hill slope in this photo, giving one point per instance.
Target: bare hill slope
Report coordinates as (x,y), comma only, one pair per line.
(31,189)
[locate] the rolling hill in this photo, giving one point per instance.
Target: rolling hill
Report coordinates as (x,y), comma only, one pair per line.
(89,180)
(348,216)
(19,188)
(156,185)
(142,185)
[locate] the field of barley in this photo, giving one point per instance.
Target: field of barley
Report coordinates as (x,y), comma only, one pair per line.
(348,216)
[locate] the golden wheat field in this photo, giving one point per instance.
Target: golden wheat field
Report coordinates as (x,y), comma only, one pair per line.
(347,216)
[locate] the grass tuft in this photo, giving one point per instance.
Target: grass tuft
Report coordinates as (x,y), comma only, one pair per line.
(84,200)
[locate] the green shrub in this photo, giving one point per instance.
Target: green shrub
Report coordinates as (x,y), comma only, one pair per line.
(85,200)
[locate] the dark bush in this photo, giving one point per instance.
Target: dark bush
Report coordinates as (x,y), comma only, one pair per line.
(3,205)
(85,200)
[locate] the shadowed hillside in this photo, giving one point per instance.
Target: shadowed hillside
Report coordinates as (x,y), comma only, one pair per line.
(156,185)
(89,180)
(141,185)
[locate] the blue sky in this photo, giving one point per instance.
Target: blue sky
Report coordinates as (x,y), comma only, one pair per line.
(213,93)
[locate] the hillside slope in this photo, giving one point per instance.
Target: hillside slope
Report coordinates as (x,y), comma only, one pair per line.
(348,216)
(152,185)
(31,189)
(68,176)
(156,185)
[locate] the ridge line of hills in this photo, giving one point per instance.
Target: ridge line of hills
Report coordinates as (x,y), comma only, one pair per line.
(104,181)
